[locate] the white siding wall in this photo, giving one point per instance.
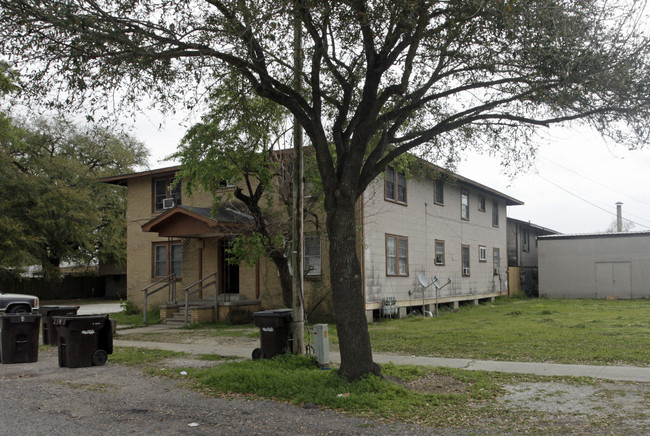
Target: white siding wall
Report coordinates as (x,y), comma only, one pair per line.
(382,217)
(595,267)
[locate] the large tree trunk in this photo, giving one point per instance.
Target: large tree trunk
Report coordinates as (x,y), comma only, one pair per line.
(346,282)
(285,275)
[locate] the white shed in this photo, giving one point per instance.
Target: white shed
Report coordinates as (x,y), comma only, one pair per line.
(601,265)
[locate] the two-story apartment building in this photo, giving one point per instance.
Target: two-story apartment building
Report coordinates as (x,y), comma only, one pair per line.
(411,230)
(451,231)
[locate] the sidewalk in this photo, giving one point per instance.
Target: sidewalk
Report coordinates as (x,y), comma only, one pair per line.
(624,373)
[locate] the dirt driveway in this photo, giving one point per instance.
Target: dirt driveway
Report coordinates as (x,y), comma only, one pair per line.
(42,399)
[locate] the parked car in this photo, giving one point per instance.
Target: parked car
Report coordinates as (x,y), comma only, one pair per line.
(18,303)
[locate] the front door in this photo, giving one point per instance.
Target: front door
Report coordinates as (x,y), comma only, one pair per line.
(230,272)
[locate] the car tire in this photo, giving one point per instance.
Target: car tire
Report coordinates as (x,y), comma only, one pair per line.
(21,308)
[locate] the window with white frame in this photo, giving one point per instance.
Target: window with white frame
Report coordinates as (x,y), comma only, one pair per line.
(482,253)
(395,186)
(464,204)
(397,258)
(440,252)
(464,256)
(167,259)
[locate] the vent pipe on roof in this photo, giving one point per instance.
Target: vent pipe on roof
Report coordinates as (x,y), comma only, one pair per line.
(619,217)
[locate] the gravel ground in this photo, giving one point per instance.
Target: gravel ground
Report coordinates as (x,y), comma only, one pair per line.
(42,399)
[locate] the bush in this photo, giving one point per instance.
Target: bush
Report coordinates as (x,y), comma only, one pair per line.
(129,307)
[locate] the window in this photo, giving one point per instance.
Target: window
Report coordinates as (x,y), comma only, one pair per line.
(495,213)
(168,257)
(481,203)
(438,192)
(397,258)
(165,189)
(464,255)
(440,252)
(226,183)
(496,260)
(312,256)
(482,253)
(464,204)
(394,186)
(525,240)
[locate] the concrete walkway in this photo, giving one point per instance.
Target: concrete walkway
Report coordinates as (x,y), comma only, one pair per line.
(625,373)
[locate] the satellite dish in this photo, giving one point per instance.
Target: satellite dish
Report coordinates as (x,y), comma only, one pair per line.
(423,280)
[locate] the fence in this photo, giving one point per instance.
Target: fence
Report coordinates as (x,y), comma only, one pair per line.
(67,288)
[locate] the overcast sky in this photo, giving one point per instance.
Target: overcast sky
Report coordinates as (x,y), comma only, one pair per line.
(572,187)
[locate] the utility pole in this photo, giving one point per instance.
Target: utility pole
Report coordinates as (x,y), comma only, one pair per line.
(298,198)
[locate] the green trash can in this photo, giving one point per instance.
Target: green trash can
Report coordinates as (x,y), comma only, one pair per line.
(83,340)
(275,332)
(19,338)
(48,331)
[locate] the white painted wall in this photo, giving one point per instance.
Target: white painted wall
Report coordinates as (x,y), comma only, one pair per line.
(422,222)
(595,266)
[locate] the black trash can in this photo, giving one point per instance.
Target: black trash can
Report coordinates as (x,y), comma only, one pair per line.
(19,338)
(83,340)
(275,332)
(48,329)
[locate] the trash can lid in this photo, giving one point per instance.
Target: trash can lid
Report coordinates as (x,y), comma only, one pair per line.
(274,312)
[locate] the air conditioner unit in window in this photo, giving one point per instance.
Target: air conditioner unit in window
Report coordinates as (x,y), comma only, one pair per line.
(465,270)
(168,203)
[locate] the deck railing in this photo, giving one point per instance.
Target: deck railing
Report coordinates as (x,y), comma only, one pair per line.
(200,285)
(168,282)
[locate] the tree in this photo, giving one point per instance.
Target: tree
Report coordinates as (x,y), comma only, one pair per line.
(57,210)
(381,78)
(238,142)
(627,226)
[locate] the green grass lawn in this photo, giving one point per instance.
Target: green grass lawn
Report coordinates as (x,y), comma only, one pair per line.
(528,330)
(568,331)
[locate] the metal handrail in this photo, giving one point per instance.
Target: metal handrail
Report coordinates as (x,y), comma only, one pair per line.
(168,282)
(188,292)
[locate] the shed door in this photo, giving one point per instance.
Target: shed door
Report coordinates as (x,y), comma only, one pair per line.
(613,278)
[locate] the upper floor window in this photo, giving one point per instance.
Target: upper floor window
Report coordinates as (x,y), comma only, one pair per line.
(395,186)
(464,257)
(397,256)
(167,259)
(464,204)
(495,213)
(166,194)
(481,203)
(439,192)
(440,252)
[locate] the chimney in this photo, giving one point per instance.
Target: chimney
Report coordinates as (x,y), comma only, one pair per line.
(619,217)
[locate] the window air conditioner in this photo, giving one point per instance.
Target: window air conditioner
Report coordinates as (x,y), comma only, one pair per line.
(465,271)
(168,203)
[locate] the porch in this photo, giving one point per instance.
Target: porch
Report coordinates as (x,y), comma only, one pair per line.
(198,244)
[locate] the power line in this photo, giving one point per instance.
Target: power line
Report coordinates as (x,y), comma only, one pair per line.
(585,200)
(594,181)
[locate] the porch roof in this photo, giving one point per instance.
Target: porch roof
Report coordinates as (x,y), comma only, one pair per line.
(197,222)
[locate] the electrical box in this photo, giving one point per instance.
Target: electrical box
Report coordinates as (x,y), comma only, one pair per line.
(321,345)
